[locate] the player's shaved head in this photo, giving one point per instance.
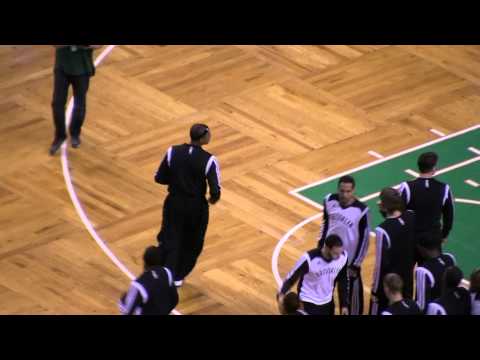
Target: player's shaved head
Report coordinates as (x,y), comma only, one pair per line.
(198,131)
(427,162)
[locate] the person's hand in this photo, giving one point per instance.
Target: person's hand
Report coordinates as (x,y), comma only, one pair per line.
(212,201)
(280,298)
(344,311)
(352,272)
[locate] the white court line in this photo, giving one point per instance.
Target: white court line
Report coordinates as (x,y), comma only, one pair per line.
(73,195)
(379,161)
(375,154)
(466,284)
(472,183)
(307,200)
(467,201)
(413,173)
(474,150)
(278,248)
(459,165)
(370,197)
(438,133)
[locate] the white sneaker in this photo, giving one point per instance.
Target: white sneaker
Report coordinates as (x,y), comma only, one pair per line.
(178,283)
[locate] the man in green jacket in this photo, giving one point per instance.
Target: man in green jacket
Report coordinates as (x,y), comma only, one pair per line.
(73,66)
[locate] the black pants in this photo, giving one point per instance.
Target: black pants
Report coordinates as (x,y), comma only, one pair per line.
(182,235)
(355,291)
(60,93)
(313,309)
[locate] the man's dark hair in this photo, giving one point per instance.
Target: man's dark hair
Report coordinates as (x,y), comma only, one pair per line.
(291,303)
(152,256)
(347,179)
(475,281)
(427,162)
(198,131)
(452,277)
(333,241)
(430,240)
(391,200)
(393,282)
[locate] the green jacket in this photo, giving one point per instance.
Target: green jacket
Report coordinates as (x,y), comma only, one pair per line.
(75,61)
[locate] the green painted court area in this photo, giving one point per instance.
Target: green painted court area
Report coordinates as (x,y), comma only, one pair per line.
(459,161)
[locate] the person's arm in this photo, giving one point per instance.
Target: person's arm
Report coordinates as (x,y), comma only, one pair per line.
(424,286)
(447,212)
(363,241)
(300,268)
(162,175)
(324,229)
(212,172)
(172,291)
(435,309)
(130,301)
(405,193)
(382,258)
(469,301)
(342,282)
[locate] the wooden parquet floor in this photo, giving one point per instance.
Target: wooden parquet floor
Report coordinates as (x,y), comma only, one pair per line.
(281,117)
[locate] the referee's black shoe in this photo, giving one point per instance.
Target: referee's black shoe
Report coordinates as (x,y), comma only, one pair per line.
(76,141)
(57,143)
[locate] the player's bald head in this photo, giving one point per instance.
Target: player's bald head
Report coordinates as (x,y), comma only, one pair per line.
(198,131)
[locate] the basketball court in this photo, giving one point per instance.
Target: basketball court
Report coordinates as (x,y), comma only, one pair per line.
(286,122)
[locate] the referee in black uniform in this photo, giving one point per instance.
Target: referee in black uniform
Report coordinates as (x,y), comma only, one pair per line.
(430,200)
(186,169)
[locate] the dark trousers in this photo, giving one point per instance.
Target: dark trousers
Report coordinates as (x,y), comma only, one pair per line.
(182,235)
(355,291)
(313,309)
(60,93)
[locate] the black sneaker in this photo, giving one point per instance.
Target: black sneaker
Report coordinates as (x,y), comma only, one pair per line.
(57,144)
(76,142)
